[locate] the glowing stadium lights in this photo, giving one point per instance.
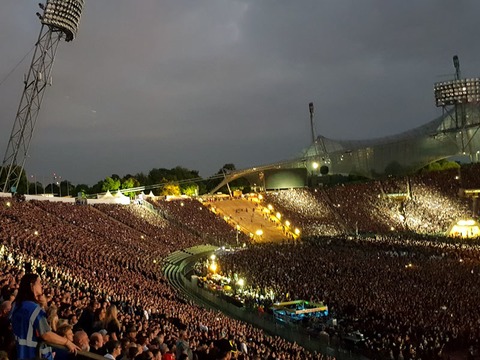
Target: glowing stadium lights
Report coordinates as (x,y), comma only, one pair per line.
(460,91)
(63,15)
(468,222)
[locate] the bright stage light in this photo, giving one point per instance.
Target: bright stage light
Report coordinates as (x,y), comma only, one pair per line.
(468,222)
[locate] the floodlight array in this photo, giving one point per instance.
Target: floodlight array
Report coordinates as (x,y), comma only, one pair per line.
(457,92)
(63,15)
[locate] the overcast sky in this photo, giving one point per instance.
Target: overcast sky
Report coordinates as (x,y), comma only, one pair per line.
(201,83)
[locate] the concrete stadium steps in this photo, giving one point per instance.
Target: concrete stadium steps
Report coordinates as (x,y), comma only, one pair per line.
(174,264)
(176,257)
(173,276)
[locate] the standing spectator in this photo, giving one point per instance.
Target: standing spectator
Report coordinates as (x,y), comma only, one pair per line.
(52,317)
(182,345)
(30,324)
(7,340)
(99,319)
(114,349)
(111,323)
(86,320)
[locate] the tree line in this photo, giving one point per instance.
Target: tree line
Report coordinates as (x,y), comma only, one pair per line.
(160,181)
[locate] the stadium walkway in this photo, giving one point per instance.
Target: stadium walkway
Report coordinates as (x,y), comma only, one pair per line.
(250,218)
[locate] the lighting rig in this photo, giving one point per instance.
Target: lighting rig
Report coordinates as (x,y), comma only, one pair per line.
(459,99)
(59,20)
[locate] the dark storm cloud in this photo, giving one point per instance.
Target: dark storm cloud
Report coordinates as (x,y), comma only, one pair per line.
(153,83)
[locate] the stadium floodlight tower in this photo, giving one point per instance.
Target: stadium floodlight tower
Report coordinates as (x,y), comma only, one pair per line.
(59,20)
(454,97)
(320,156)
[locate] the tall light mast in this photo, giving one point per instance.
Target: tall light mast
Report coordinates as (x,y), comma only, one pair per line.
(311,108)
(455,96)
(59,20)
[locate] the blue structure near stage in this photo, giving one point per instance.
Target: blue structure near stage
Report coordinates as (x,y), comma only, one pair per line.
(299,310)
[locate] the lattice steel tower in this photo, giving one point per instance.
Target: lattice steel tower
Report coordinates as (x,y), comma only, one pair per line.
(59,20)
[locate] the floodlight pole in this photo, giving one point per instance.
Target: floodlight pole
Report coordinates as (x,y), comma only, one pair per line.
(60,19)
(457,94)
(35,82)
(312,110)
(459,108)
(456,64)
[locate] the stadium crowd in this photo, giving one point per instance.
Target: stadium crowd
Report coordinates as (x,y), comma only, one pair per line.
(92,263)
(195,215)
(412,296)
(425,203)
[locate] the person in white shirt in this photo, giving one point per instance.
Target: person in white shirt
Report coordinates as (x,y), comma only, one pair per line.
(114,349)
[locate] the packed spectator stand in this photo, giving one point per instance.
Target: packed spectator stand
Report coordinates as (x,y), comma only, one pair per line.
(413,296)
(83,254)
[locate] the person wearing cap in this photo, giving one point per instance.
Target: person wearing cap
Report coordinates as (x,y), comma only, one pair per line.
(104,333)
